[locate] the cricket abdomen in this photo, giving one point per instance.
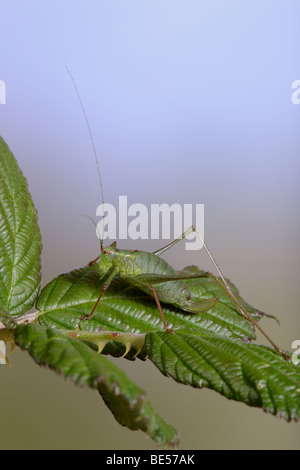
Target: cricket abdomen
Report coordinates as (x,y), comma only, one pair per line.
(174,292)
(131,264)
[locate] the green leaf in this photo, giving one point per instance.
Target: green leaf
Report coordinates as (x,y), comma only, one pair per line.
(75,360)
(256,375)
(205,351)
(70,297)
(20,241)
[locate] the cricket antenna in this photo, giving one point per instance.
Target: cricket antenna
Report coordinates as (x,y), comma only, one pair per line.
(94,151)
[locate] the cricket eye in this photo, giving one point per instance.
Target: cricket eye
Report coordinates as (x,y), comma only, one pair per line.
(107,252)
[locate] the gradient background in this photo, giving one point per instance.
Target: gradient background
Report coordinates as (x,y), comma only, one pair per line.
(189,102)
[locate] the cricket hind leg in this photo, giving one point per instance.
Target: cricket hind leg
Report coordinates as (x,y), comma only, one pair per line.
(224,284)
(227,289)
(245,313)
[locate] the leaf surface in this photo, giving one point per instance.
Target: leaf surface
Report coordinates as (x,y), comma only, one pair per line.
(75,360)
(20,240)
(256,375)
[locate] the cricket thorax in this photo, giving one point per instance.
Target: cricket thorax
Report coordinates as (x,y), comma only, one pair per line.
(121,260)
(133,262)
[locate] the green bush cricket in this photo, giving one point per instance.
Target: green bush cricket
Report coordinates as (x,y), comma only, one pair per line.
(155,276)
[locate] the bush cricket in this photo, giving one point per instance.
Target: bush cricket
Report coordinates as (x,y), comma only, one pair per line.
(155,276)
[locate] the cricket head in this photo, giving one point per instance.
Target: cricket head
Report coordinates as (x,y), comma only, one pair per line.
(108,256)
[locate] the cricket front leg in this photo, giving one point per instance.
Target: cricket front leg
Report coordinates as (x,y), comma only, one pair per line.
(94,261)
(160,310)
(108,277)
